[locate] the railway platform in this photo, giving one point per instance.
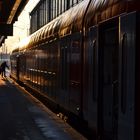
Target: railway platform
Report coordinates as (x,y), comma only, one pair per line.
(23,117)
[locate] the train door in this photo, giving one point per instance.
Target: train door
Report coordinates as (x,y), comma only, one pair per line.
(76,102)
(127,78)
(108,79)
(64,76)
(90,99)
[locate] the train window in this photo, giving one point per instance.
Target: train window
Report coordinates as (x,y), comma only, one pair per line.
(71,3)
(63,5)
(41,18)
(66,5)
(51,10)
(80,1)
(64,66)
(56,7)
(60,6)
(70,58)
(46,11)
(75,52)
(75,61)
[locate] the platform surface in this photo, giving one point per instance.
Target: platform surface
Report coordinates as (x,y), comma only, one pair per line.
(23,117)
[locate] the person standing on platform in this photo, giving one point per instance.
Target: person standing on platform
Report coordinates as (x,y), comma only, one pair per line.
(3,68)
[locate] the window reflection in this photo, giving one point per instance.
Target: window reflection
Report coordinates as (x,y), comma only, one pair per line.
(47,10)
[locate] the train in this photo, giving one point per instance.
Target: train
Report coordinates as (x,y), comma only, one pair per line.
(86,61)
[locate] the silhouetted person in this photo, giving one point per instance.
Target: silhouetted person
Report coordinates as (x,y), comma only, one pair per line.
(3,68)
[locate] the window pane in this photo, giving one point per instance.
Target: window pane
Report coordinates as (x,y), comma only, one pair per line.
(75,2)
(63,5)
(54,9)
(60,7)
(71,3)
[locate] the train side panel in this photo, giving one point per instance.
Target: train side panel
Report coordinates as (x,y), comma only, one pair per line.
(75,70)
(70,72)
(127,77)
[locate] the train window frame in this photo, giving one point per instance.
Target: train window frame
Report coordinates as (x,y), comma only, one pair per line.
(76,40)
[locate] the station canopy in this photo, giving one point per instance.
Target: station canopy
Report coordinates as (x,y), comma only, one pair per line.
(9,12)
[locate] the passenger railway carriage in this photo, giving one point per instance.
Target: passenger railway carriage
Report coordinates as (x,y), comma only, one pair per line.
(86,61)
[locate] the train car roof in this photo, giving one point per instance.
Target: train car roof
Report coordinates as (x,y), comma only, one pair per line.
(72,19)
(101,10)
(15,50)
(44,33)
